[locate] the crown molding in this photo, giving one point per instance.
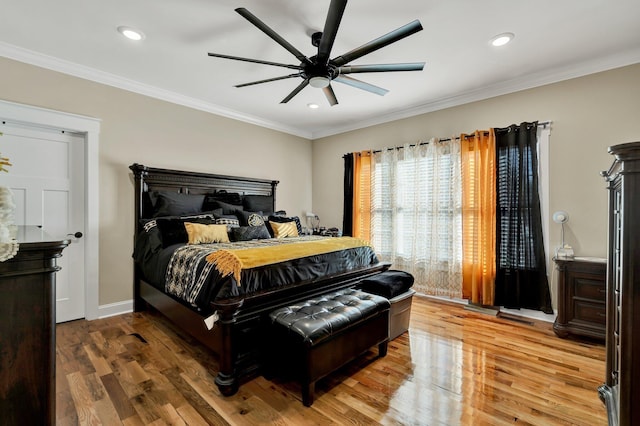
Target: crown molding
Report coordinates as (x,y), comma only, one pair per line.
(66,67)
(530,81)
(542,78)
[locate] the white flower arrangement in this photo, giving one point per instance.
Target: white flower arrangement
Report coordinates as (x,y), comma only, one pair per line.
(8,244)
(4,162)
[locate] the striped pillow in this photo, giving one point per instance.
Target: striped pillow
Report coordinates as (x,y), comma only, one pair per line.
(284,229)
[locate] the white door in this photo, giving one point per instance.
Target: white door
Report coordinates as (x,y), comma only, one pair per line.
(47,181)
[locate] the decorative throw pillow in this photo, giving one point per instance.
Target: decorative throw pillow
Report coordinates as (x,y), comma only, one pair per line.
(227,208)
(173,231)
(212,213)
(246,233)
(284,229)
(389,284)
(281,219)
(175,204)
(149,224)
(148,240)
(249,218)
(231,223)
(256,203)
(202,234)
(202,215)
(255,219)
(225,216)
(224,197)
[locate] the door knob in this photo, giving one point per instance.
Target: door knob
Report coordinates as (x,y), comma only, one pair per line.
(76,235)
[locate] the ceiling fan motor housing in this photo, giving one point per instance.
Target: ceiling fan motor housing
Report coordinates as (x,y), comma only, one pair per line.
(315,69)
(315,38)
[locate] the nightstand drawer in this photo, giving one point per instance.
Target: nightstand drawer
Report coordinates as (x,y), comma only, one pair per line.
(590,312)
(593,289)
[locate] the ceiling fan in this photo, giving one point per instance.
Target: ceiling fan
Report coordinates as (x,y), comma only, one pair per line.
(320,70)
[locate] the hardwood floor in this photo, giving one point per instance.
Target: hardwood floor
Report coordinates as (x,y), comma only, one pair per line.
(453,367)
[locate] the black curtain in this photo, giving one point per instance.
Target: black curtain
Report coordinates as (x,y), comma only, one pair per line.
(521,278)
(347,213)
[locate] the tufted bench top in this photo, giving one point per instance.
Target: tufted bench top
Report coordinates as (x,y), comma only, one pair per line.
(316,319)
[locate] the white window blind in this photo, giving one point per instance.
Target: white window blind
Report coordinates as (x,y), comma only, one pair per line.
(416,217)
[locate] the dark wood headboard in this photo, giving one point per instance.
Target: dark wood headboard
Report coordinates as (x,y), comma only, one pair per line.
(149,179)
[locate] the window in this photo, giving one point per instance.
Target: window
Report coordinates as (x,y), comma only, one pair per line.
(416,215)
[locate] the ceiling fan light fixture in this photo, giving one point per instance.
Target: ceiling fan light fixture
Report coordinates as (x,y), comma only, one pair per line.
(313,106)
(319,82)
(502,39)
(131,33)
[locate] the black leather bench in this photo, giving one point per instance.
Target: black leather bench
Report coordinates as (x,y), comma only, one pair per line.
(317,336)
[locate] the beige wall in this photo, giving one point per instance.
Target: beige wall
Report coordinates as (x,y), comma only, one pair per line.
(588,113)
(137,128)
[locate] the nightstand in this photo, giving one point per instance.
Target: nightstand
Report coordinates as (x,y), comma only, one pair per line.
(581,297)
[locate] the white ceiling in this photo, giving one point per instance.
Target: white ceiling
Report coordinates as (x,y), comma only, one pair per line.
(554,40)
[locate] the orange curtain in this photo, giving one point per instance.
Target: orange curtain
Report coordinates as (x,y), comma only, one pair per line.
(478,153)
(362,195)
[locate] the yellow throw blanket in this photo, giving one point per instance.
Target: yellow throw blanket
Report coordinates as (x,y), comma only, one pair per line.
(229,262)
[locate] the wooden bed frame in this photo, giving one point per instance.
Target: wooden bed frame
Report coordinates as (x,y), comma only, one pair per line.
(239,334)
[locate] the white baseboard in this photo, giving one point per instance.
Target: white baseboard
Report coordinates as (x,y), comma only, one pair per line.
(126,306)
(524,313)
(118,308)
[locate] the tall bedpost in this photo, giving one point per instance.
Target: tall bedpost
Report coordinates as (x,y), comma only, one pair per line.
(139,172)
(274,183)
(227,377)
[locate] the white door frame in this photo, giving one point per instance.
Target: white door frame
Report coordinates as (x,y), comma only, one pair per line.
(90,127)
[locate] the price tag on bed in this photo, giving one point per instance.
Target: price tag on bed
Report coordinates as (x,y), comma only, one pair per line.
(211,320)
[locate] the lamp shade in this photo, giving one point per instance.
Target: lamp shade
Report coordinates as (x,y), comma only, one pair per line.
(560,217)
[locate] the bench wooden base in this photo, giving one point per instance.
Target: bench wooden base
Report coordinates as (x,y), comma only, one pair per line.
(345,347)
(316,337)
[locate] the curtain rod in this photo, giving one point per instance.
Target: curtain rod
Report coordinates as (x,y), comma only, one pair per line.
(542,124)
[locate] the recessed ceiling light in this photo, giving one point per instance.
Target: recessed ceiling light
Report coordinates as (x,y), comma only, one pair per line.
(131,33)
(313,106)
(502,39)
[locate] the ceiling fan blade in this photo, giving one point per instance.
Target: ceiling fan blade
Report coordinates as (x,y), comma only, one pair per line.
(334,16)
(361,85)
(271,33)
(268,80)
(410,66)
(373,45)
(295,91)
(255,61)
(331,96)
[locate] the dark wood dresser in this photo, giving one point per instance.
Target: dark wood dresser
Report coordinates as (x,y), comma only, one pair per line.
(27,330)
(621,390)
(581,297)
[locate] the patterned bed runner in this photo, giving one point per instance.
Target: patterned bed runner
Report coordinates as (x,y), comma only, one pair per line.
(185,279)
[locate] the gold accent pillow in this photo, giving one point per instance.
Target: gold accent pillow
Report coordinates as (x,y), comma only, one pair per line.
(201,234)
(284,229)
